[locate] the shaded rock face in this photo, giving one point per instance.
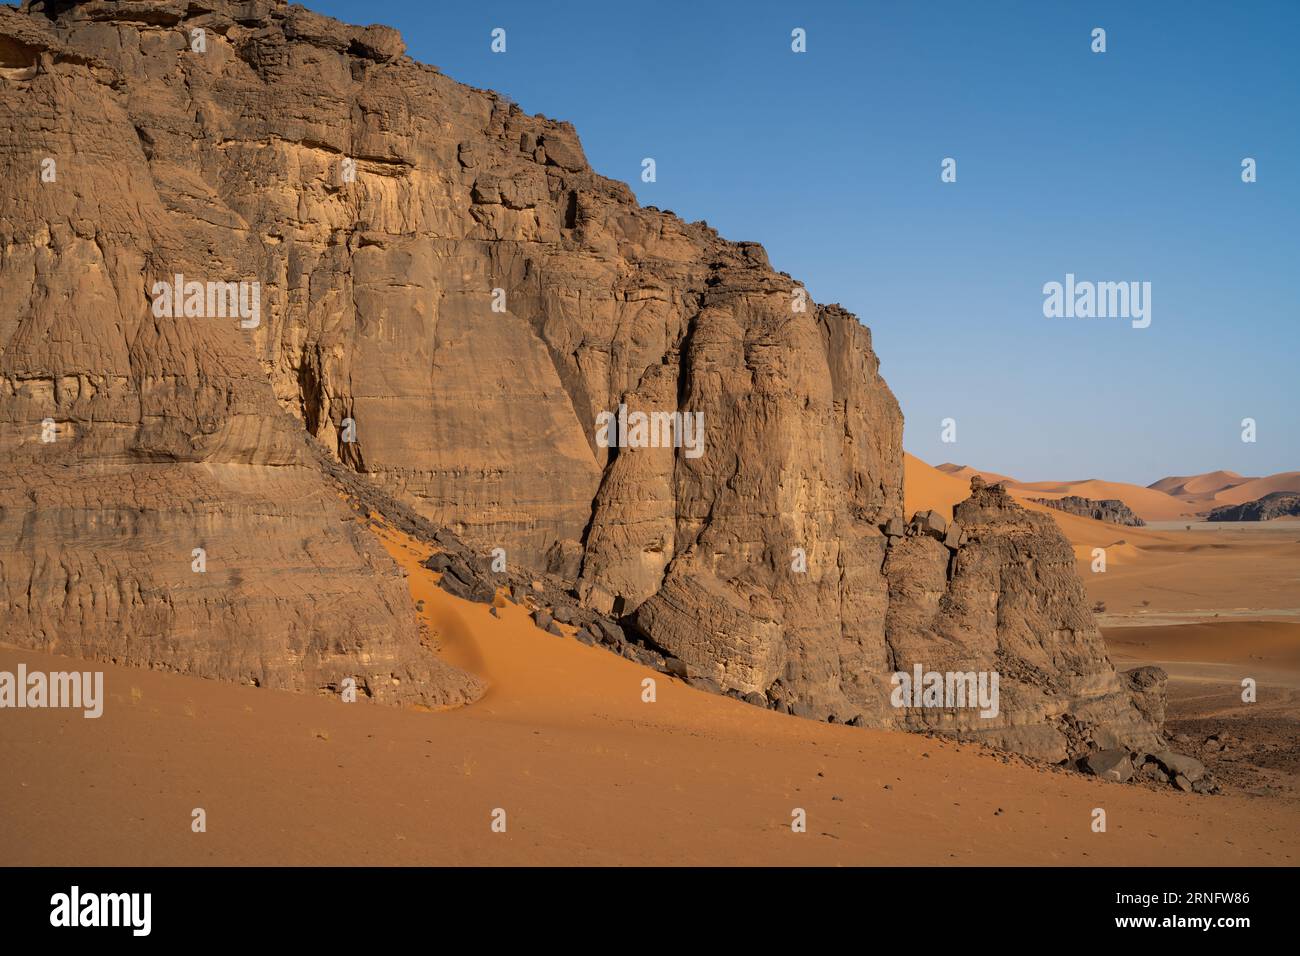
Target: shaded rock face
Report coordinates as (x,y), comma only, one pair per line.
(1099,509)
(157,505)
(1109,764)
(1277,504)
(1007,599)
(1147,688)
(450,301)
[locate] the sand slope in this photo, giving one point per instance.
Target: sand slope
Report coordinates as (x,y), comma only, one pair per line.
(966,471)
(1270,644)
(1258,488)
(928,488)
(586,772)
(1198,486)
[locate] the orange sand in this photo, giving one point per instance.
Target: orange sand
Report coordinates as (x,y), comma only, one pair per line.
(1199,487)
(1147,504)
(1271,644)
(1181,575)
(586,771)
(1258,488)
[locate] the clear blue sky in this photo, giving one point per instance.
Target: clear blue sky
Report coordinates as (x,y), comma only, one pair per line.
(1117,166)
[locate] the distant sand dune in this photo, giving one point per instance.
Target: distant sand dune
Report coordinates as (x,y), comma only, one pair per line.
(925,487)
(966,471)
(1258,488)
(1149,504)
(1198,486)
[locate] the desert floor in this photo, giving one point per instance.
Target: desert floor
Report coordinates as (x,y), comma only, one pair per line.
(588,773)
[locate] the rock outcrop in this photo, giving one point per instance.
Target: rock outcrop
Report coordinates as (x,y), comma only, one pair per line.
(1099,509)
(1007,599)
(157,505)
(452,305)
(1277,504)
(1146,686)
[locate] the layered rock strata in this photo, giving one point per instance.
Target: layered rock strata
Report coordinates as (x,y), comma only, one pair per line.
(453,305)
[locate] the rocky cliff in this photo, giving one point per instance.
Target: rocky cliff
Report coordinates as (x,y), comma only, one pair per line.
(452,304)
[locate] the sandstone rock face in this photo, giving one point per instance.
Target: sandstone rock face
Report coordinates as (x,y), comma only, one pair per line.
(1008,600)
(451,304)
(157,506)
(1099,509)
(1277,504)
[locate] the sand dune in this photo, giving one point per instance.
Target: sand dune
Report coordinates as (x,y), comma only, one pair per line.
(1198,486)
(927,488)
(1258,488)
(1147,504)
(585,770)
(966,471)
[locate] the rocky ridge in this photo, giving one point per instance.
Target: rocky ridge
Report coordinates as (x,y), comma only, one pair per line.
(1099,509)
(1277,504)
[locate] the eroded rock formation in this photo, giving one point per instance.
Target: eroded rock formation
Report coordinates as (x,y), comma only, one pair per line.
(450,298)
(1099,509)
(1276,504)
